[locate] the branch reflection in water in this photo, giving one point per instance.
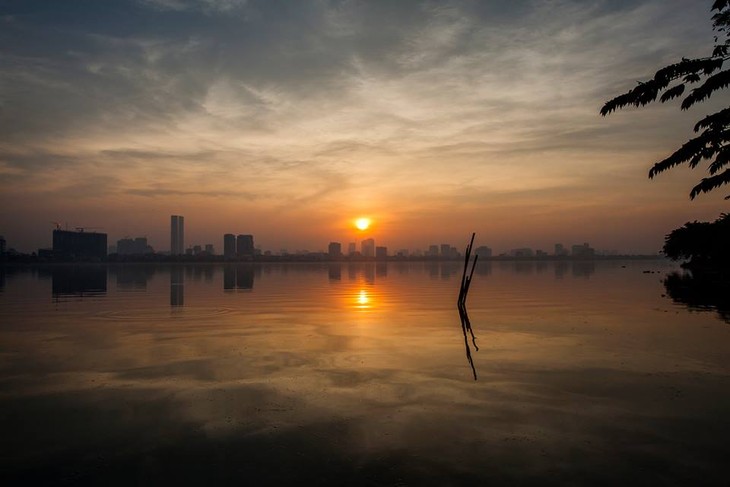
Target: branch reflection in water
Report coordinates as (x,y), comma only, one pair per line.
(461,305)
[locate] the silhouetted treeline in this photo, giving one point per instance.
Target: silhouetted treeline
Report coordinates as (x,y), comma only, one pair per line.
(705,244)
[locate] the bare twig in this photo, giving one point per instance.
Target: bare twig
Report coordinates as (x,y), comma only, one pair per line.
(461,304)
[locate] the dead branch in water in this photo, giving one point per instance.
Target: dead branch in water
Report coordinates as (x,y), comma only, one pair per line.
(461,304)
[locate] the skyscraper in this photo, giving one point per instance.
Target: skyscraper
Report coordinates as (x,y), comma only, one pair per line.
(335,250)
(483,251)
(244,245)
(177,235)
(445,250)
(229,246)
(367,247)
(79,245)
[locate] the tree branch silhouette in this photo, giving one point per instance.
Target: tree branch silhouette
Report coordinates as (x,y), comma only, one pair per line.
(672,82)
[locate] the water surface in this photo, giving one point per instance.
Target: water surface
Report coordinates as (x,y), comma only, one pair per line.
(356,374)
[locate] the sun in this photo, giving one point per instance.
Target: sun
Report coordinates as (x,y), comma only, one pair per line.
(362,223)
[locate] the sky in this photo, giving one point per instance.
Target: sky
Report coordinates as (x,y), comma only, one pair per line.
(290,119)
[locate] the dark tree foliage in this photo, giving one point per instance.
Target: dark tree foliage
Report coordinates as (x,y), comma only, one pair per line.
(706,76)
(705,244)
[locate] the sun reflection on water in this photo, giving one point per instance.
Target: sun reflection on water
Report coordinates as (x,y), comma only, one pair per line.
(363,301)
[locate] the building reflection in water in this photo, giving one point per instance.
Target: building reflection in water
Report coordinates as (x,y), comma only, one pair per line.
(561,268)
(177,286)
(78,281)
(584,269)
(334,272)
(238,277)
(484,268)
(133,277)
(361,277)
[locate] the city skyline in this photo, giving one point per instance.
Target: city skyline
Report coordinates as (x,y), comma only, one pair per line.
(242,245)
(292,120)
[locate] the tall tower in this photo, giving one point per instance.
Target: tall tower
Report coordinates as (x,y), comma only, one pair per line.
(244,245)
(367,247)
(229,246)
(335,250)
(177,235)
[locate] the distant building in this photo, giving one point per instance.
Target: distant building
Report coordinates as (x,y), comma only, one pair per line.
(402,253)
(522,252)
(367,248)
(540,253)
(351,248)
(177,235)
(445,250)
(334,250)
(381,252)
(433,250)
(79,245)
(197,249)
(484,252)
(244,246)
(560,250)
(229,246)
(136,246)
(209,249)
(583,251)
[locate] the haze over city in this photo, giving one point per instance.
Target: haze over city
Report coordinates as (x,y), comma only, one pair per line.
(290,120)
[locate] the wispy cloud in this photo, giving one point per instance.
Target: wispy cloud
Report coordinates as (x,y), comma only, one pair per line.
(345,104)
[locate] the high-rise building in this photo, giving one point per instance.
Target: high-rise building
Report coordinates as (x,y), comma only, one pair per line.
(79,245)
(445,250)
(560,250)
(483,252)
(209,249)
(522,252)
(136,246)
(244,245)
(433,250)
(177,235)
(2,245)
(351,248)
(229,246)
(381,252)
(335,250)
(367,247)
(583,251)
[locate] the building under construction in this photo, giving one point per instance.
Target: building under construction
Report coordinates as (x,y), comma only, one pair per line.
(79,245)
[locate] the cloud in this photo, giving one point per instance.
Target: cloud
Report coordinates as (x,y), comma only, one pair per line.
(308,103)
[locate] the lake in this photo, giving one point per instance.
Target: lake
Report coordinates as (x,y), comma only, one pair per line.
(589,373)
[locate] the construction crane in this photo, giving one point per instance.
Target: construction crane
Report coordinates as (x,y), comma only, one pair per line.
(57,225)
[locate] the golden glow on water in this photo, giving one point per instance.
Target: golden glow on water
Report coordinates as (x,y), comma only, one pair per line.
(308,348)
(363,301)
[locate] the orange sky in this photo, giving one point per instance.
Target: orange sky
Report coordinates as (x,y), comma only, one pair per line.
(288,123)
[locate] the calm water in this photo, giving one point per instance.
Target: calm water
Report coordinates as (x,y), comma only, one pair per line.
(356,374)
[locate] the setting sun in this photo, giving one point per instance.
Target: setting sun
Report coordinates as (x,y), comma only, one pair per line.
(362,223)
